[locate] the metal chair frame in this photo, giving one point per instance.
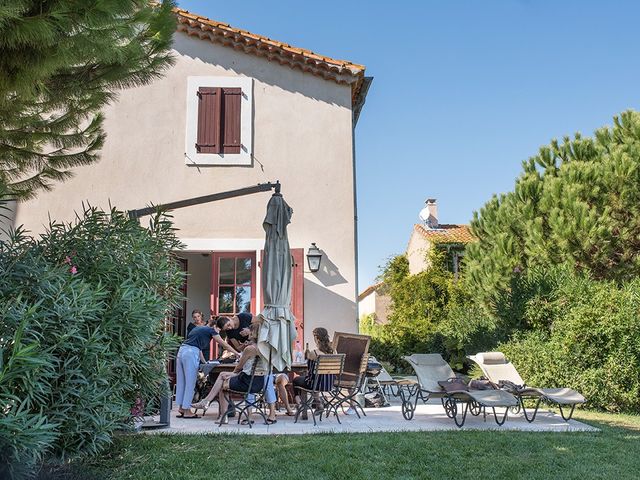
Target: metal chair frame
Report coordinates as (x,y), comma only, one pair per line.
(352,387)
(451,401)
(326,364)
(244,405)
(539,397)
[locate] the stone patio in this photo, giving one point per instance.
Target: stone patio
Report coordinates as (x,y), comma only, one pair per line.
(429,417)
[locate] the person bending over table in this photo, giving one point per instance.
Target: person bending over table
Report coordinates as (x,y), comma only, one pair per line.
(189,357)
(237,328)
(239,379)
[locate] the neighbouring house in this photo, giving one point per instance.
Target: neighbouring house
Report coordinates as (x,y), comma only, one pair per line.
(429,233)
(373,301)
(236,109)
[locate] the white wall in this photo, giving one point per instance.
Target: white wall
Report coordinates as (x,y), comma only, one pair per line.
(367,305)
(7,218)
(302,136)
(417,251)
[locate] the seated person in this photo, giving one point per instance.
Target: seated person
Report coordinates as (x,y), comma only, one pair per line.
(282,380)
(239,380)
(237,329)
(321,338)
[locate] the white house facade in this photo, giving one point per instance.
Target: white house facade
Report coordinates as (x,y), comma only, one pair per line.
(235,110)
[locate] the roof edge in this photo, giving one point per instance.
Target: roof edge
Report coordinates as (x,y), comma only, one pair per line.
(340,71)
(369,290)
(439,235)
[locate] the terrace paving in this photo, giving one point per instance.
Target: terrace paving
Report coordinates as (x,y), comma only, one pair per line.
(428,417)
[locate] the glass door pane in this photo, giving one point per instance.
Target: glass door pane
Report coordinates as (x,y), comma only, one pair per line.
(233,283)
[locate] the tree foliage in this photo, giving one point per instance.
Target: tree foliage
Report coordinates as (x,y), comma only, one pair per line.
(82,333)
(576,203)
(419,304)
(582,333)
(61,61)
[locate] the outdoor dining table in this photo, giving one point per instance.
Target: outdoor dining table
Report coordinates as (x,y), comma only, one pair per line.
(212,369)
(217,367)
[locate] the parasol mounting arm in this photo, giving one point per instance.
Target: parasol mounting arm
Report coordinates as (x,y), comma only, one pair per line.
(261,187)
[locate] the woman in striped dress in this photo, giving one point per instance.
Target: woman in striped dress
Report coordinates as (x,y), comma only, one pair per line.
(308,381)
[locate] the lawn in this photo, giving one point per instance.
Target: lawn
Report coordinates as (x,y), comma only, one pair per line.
(614,452)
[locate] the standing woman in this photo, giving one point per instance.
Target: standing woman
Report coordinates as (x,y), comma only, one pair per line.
(189,357)
(197,320)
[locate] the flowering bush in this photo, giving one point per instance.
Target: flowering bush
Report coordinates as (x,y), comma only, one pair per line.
(82,333)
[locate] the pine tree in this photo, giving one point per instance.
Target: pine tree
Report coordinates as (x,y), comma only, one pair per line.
(576,203)
(61,61)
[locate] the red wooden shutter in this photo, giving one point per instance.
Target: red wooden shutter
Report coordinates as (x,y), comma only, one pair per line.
(231,119)
(209,116)
(297,289)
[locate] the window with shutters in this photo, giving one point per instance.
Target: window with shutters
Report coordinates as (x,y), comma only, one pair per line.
(219,116)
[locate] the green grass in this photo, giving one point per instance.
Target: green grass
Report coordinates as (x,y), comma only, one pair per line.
(614,452)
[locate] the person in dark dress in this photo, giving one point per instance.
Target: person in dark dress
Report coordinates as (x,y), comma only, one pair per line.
(237,329)
(325,382)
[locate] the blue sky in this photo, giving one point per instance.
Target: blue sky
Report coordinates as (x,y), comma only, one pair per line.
(463,91)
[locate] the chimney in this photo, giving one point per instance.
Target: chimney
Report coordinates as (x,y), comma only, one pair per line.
(429,214)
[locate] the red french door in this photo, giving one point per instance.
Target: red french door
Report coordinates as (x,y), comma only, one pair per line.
(233,286)
(234,280)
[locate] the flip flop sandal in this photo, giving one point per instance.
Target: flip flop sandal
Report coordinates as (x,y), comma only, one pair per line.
(271,422)
(180,415)
(191,416)
(291,414)
(247,422)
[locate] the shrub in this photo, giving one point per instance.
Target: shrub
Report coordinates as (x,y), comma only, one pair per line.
(368,326)
(591,342)
(419,303)
(82,335)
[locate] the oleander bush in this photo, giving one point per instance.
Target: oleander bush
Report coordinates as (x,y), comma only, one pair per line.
(82,333)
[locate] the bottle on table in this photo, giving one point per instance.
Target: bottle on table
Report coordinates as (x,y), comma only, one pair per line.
(298,356)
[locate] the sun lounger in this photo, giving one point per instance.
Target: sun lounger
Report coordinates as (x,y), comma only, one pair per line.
(384,383)
(501,371)
(431,369)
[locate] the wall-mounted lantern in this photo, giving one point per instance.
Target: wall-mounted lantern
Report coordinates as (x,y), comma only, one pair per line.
(314,256)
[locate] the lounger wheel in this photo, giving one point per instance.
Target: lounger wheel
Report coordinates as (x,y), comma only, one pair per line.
(450,407)
(475,408)
(464,408)
(515,410)
(408,409)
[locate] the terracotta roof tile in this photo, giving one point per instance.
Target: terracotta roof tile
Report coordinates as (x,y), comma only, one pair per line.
(340,71)
(369,290)
(446,233)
